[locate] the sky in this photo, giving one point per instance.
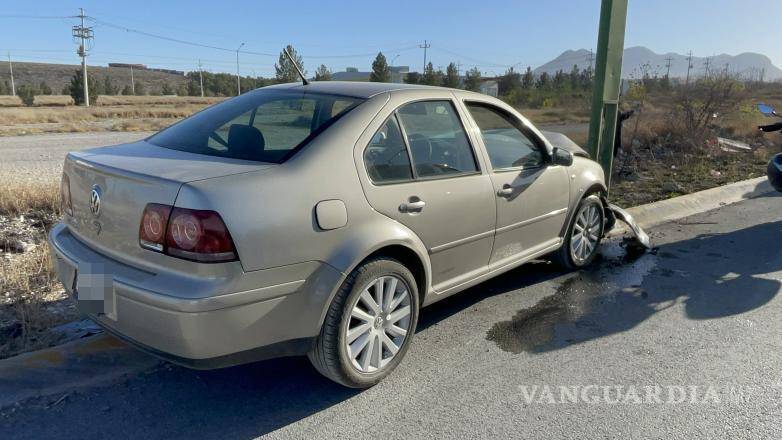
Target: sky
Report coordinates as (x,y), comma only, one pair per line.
(491,35)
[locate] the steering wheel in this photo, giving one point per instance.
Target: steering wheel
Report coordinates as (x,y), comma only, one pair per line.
(418,141)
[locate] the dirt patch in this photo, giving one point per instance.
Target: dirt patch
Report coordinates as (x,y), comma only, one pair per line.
(32,301)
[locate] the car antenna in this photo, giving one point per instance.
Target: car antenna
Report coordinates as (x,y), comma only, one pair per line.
(296,66)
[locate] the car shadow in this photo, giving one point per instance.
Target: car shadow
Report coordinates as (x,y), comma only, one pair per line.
(621,292)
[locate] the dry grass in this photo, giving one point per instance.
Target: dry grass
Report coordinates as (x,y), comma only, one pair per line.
(53,100)
(71,119)
(10,101)
(31,299)
(155,100)
(21,197)
(31,302)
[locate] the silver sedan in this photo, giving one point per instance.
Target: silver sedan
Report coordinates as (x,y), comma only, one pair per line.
(317,219)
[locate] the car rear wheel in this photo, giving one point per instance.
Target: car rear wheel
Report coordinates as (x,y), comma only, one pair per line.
(583,235)
(369,324)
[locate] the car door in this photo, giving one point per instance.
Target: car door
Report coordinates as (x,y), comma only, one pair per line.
(531,194)
(424,173)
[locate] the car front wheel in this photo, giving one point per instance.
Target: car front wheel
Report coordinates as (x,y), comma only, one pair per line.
(583,235)
(369,324)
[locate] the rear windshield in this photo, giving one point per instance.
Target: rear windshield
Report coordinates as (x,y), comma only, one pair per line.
(265,125)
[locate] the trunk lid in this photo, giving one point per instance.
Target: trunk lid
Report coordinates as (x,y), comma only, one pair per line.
(126,178)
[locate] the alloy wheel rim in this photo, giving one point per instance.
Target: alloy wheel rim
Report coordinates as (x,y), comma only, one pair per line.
(586,234)
(379,323)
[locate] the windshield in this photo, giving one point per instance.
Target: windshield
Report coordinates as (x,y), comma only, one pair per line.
(266,125)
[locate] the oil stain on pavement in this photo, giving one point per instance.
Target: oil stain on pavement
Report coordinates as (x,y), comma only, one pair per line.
(578,309)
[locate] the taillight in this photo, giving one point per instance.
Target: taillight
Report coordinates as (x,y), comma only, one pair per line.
(192,234)
(152,233)
(65,195)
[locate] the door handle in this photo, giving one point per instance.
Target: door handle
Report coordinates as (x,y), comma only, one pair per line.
(414,205)
(505,191)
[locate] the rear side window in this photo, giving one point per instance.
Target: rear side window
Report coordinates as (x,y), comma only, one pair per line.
(264,125)
(437,140)
(507,145)
(386,155)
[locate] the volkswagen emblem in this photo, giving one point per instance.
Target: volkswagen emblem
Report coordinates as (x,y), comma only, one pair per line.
(95,201)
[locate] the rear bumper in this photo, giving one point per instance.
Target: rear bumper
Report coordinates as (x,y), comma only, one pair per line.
(278,316)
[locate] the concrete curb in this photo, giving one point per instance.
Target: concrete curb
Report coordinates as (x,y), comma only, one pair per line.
(102,359)
(82,363)
(656,213)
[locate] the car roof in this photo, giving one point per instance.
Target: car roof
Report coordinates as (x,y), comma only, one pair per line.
(352,88)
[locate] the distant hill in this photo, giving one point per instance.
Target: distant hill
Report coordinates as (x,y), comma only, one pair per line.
(58,75)
(747,64)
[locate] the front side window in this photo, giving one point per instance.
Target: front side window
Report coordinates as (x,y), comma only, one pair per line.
(437,140)
(507,145)
(386,155)
(264,125)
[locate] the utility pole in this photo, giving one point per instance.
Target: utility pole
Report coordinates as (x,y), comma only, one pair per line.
(201,77)
(689,67)
(668,67)
(83,35)
(707,65)
(425,46)
(11,68)
(591,59)
(132,81)
(238,81)
(608,77)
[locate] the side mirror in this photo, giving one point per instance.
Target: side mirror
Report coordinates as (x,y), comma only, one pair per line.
(561,157)
(767,110)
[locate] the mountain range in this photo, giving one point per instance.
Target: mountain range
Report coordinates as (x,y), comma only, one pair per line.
(748,64)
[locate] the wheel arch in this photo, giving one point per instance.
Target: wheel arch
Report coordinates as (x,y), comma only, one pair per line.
(400,243)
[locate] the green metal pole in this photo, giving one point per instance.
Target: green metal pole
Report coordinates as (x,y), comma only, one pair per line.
(608,76)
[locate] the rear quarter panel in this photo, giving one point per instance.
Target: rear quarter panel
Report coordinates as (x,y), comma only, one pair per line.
(271,213)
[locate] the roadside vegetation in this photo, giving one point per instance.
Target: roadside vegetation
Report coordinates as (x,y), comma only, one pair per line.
(32,303)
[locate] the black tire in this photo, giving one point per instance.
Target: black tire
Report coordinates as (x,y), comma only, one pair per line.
(329,355)
(564,256)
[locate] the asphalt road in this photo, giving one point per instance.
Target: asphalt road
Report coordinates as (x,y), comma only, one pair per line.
(700,318)
(39,157)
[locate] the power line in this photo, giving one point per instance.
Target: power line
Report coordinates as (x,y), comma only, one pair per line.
(668,66)
(689,66)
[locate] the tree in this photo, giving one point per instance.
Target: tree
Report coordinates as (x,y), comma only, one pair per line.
(127,91)
(108,86)
(140,89)
(166,89)
(76,87)
(451,78)
(380,70)
(508,82)
(413,78)
(528,79)
(432,77)
(44,88)
(473,80)
(544,81)
(560,80)
(284,70)
(4,88)
(575,77)
(27,93)
(323,73)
